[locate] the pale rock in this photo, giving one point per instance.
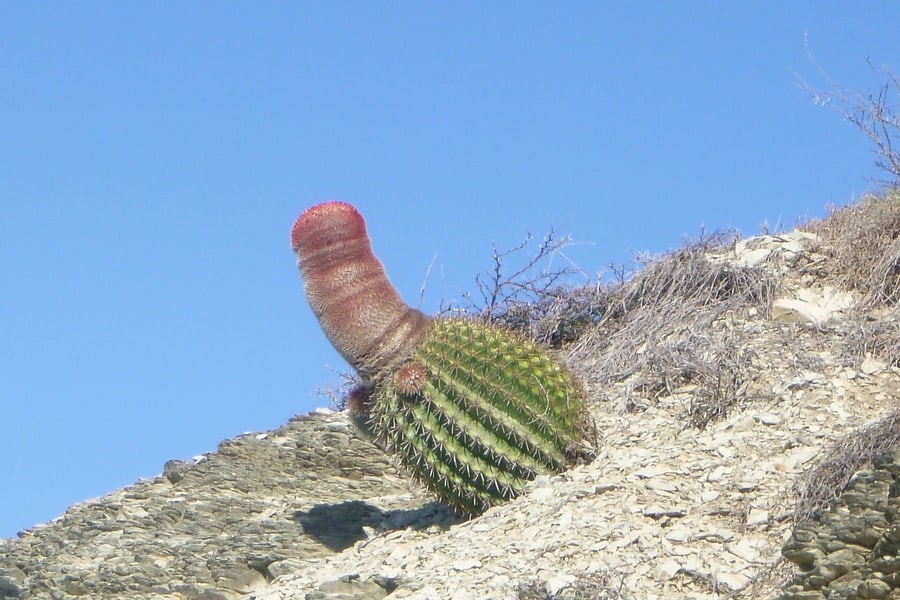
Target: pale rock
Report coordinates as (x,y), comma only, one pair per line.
(733,581)
(744,423)
(426,593)
(625,541)
(747,549)
(803,238)
(870,366)
(602,488)
(757,516)
(709,496)
(564,521)
(652,471)
(555,584)
(789,310)
(751,258)
(717,535)
(769,419)
(832,299)
(466,564)
(656,511)
(662,485)
(746,486)
(753,251)
(668,569)
(398,554)
(800,456)
(717,474)
(541,494)
(812,307)
(679,535)
(392,572)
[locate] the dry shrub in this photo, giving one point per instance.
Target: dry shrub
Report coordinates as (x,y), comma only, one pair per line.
(825,482)
(587,586)
(520,293)
(559,316)
(659,326)
(875,333)
(863,244)
(873,112)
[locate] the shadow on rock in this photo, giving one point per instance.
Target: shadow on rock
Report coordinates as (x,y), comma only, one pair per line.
(339,526)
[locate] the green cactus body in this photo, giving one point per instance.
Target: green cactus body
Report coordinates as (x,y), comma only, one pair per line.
(487,412)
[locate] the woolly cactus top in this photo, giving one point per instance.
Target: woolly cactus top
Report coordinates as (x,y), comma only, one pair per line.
(324,225)
(361,313)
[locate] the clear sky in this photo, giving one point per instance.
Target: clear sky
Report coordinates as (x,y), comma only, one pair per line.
(153,157)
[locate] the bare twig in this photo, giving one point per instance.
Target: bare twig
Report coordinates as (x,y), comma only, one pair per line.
(523,295)
(499,290)
(874,113)
(425,282)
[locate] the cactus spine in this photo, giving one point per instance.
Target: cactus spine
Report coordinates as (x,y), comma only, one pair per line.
(473,411)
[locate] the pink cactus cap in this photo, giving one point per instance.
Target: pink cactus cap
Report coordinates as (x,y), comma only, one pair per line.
(326,223)
(346,286)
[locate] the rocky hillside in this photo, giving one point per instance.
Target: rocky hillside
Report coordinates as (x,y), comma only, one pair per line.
(745,393)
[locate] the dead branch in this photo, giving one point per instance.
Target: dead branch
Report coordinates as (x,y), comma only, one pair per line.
(873,112)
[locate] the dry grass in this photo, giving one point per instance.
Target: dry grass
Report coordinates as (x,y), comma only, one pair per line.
(825,482)
(587,586)
(875,333)
(555,317)
(666,326)
(863,244)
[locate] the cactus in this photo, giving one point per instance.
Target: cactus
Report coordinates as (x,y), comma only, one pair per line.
(472,410)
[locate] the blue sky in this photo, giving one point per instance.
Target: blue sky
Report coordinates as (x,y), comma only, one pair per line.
(153,157)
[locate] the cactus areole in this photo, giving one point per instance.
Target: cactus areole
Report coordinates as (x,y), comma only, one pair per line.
(472,410)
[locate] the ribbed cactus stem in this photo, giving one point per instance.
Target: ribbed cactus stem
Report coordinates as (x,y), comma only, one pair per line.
(359,310)
(493,412)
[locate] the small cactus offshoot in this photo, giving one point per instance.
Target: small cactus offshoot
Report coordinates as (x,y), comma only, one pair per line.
(472,410)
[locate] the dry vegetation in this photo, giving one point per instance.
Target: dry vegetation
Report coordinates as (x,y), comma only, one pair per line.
(830,477)
(863,245)
(666,325)
(872,112)
(587,586)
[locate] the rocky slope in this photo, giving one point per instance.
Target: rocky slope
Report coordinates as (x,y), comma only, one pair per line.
(721,381)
